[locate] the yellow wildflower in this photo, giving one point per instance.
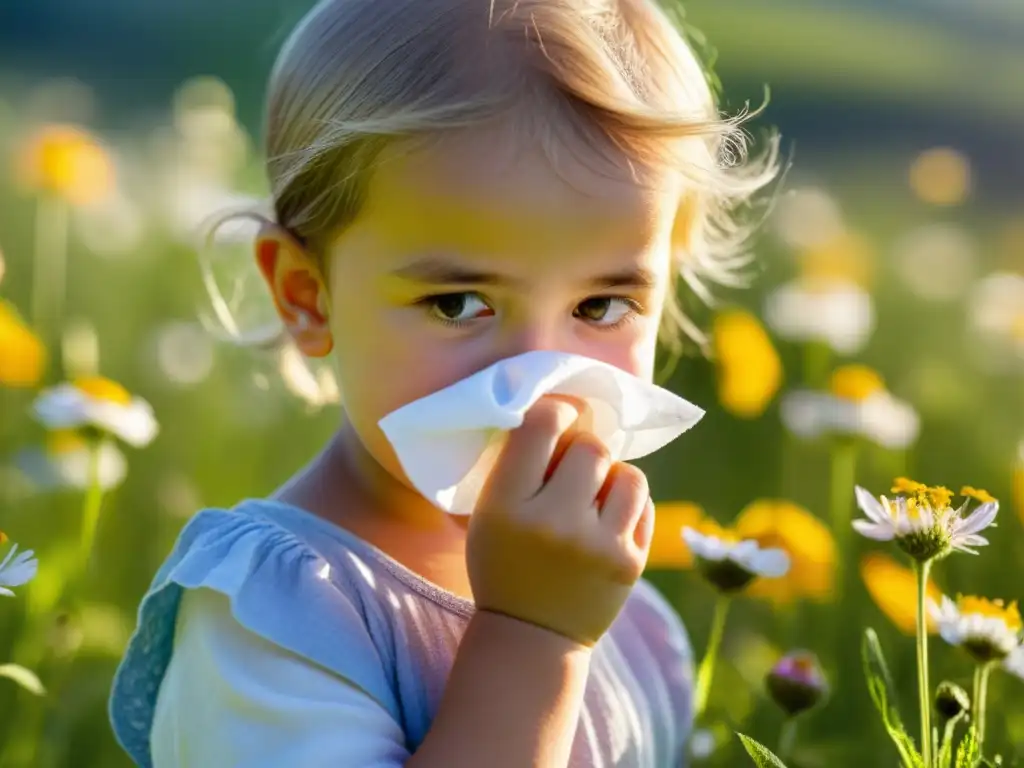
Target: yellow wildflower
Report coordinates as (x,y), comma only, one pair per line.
(22,355)
(893,587)
(806,539)
(668,550)
(749,369)
(68,162)
(941,176)
(856,383)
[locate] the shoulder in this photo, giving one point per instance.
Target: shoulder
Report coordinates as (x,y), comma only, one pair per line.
(280,582)
(230,697)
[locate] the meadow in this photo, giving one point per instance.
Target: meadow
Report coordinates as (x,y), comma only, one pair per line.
(882,337)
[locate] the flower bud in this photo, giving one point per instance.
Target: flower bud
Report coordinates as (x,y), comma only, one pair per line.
(796,682)
(951,700)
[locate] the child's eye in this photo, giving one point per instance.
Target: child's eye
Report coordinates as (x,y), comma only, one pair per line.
(457,308)
(606,311)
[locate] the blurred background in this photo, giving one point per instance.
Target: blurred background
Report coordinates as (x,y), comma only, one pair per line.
(889,284)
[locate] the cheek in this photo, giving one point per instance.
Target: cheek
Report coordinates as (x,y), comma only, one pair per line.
(632,350)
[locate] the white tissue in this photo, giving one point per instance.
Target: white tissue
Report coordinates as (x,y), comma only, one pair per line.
(448,441)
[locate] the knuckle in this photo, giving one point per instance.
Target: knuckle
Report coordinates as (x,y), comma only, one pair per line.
(588,446)
(631,482)
(548,417)
(625,567)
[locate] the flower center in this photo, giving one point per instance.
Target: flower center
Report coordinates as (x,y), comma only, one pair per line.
(993,609)
(100,388)
(64,441)
(856,383)
(978,494)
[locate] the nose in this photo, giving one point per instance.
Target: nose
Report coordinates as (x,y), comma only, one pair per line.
(538,336)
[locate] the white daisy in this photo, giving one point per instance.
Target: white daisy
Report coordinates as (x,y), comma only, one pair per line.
(100,404)
(731,564)
(17,569)
(65,462)
(1014,663)
(989,630)
(856,405)
(839,313)
(922,522)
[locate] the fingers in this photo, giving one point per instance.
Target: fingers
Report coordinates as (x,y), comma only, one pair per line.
(531,449)
(582,472)
(626,501)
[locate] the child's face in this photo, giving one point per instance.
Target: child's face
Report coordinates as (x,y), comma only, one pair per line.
(474,250)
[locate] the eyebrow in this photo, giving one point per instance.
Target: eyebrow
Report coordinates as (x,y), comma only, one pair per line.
(435,270)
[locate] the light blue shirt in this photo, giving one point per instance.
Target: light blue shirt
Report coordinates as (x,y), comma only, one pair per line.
(308,619)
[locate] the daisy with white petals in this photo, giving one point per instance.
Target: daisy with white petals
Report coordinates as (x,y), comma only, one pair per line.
(1014,663)
(66,462)
(922,521)
(100,405)
(16,568)
(730,564)
(856,405)
(990,632)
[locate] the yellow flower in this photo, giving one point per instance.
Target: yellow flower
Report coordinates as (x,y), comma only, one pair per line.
(807,541)
(856,383)
(67,161)
(749,368)
(941,176)
(22,355)
(893,587)
(668,550)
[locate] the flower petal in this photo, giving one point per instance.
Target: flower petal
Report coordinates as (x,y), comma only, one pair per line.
(874,531)
(979,519)
(772,563)
(871,506)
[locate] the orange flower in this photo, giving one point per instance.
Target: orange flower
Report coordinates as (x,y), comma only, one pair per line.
(22,356)
(668,550)
(807,541)
(749,368)
(893,587)
(67,161)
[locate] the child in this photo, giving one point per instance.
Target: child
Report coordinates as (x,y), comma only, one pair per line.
(454,182)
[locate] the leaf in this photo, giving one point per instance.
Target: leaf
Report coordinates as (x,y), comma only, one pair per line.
(967,755)
(24,677)
(881,688)
(762,756)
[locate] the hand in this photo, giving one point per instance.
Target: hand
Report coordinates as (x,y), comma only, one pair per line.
(561,532)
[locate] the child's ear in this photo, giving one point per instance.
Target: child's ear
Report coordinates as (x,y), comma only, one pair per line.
(297,287)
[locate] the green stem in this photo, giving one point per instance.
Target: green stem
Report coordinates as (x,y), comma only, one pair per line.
(924,689)
(91,508)
(50,265)
(981,673)
(787,739)
(944,753)
(707,664)
(817,359)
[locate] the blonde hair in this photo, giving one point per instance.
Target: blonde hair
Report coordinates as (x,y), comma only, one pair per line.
(358,75)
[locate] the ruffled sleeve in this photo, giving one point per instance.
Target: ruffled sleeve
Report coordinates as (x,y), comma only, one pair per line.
(278,588)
